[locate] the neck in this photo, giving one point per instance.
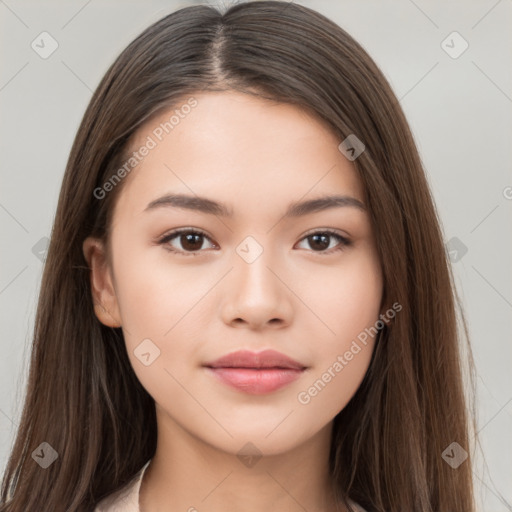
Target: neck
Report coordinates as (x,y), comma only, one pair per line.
(188,474)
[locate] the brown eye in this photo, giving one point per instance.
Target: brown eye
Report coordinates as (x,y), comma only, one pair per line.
(320,241)
(191,241)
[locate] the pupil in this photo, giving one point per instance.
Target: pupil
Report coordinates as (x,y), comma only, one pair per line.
(325,242)
(189,241)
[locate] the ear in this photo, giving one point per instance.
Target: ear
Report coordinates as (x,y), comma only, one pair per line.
(104,297)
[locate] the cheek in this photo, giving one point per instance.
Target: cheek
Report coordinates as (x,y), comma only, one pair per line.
(332,385)
(153,294)
(345,298)
(350,308)
(355,301)
(159,303)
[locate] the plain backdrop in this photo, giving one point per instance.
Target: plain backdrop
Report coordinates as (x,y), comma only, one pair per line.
(458,107)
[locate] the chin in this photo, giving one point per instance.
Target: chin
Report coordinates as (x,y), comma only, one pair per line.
(261,441)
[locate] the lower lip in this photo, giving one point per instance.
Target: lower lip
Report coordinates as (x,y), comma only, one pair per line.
(256,382)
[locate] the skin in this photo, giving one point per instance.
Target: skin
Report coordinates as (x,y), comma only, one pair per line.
(303,300)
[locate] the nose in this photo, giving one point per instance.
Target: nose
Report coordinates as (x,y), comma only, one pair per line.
(256,295)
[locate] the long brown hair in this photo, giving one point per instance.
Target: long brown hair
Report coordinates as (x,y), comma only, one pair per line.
(83,397)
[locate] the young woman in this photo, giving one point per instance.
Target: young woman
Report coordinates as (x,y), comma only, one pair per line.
(246,302)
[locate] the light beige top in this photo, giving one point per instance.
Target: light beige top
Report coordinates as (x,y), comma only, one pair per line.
(127,498)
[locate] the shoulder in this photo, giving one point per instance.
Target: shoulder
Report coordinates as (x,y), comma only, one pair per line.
(120,501)
(125,499)
(356,506)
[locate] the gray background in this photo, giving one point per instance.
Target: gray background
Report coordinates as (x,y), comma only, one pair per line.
(458,108)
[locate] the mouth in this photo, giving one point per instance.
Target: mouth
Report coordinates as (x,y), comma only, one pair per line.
(256,373)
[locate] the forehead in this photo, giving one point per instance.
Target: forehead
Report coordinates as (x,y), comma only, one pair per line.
(239,149)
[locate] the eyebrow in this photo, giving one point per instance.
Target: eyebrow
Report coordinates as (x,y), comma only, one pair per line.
(295,209)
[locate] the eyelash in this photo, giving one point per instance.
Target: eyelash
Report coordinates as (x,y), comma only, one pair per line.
(344,242)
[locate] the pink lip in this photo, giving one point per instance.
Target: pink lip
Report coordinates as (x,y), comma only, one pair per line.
(256,373)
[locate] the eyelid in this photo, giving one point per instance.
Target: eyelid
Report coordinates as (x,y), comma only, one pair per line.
(332,231)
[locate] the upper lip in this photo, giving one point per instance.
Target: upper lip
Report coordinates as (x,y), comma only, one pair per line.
(248,359)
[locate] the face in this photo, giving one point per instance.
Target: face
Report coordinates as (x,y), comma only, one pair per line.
(259,275)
